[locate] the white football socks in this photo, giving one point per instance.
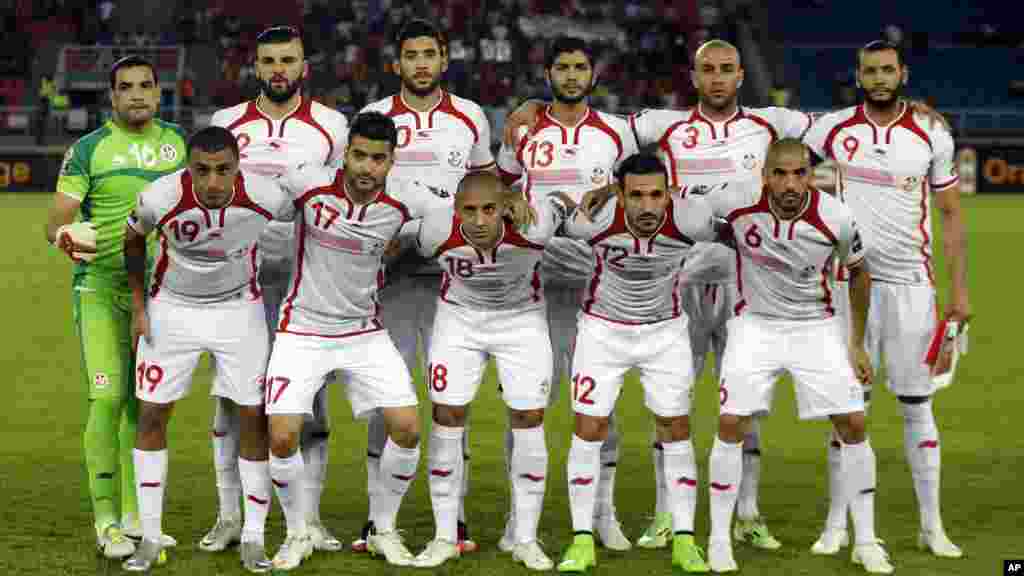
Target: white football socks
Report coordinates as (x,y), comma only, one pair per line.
(681,483)
(150,479)
(921,444)
(397,471)
(287,475)
(256,484)
(583,474)
(445,460)
(750,481)
(724,472)
(529,479)
(225,434)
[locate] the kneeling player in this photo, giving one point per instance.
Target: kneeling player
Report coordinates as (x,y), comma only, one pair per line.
(632,318)
(788,236)
(491,304)
(203,297)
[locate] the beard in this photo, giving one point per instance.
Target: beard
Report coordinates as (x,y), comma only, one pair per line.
(565,98)
(279,96)
(411,86)
(891,100)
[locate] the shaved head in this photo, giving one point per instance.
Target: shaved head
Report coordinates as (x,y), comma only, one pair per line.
(786,147)
(715,44)
(481,186)
(480,204)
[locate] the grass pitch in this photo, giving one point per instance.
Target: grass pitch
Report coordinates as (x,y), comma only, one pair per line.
(47,526)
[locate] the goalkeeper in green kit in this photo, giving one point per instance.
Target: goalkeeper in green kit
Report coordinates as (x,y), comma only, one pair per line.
(102,174)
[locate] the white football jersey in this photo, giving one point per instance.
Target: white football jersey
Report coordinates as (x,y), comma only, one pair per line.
(208,254)
(506,277)
(636,279)
(885,174)
(700,153)
(553,157)
(311,133)
(340,250)
(784,265)
(437,147)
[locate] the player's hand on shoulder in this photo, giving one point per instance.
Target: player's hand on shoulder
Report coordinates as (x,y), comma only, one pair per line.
(595,200)
(522,214)
(934,116)
(524,115)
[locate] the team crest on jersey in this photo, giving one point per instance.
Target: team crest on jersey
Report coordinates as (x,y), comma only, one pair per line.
(100,381)
(599,175)
(809,271)
(439,192)
(456,159)
(911,182)
(568,153)
(169,153)
(749,161)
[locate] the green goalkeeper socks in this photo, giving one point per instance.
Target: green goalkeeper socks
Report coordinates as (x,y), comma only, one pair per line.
(101,461)
(129,497)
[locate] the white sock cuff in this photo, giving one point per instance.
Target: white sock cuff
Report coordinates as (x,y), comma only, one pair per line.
(585,445)
(918,413)
(285,465)
(727,447)
(446,432)
(402,452)
(151,458)
(529,439)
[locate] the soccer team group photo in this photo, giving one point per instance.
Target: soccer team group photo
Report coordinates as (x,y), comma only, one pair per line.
(545,337)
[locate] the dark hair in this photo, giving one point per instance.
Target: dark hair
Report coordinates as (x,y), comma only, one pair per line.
(212,139)
(880,46)
(130,62)
(564,44)
(279,35)
(640,163)
(374,126)
(417,29)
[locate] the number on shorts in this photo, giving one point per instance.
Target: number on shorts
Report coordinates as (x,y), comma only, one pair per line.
(723,394)
(438,374)
(586,384)
(148,373)
(281,382)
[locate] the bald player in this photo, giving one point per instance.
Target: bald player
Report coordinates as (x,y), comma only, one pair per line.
(491,304)
(789,236)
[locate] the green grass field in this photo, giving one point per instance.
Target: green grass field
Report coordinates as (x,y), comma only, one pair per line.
(47,526)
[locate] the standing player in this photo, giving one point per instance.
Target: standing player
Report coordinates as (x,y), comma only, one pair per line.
(102,174)
(632,317)
(888,164)
(203,296)
(441,137)
(788,237)
(277,130)
(552,157)
(491,304)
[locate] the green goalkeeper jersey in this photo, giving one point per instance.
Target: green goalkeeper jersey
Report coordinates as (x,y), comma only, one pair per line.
(105,170)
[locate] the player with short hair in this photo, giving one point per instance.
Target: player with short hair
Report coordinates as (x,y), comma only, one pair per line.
(632,317)
(889,165)
(279,129)
(100,178)
(441,138)
(491,305)
(552,157)
(203,297)
(788,236)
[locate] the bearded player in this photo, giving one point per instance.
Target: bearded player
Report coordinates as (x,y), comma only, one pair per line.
(279,129)
(441,138)
(890,166)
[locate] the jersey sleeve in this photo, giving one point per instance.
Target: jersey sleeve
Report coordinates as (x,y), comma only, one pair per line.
(722,199)
(851,245)
(298,179)
(272,196)
(551,215)
(629,148)
(339,134)
(942,174)
(480,157)
(649,125)
(220,118)
(434,230)
(694,218)
(74,179)
(793,123)
(147,213)
(816,135)
(509,167)
(421,199)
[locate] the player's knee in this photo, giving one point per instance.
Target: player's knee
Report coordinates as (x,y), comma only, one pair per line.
(152,426)
(672,429)
(730,427)
(448,415)
(284,435)
(851,427)
(403,426)
(521,419)
(591,428)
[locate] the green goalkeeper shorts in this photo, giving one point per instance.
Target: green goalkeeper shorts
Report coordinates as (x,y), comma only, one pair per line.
(103,320)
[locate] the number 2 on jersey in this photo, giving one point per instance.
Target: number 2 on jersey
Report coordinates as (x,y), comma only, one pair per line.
(547,154)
